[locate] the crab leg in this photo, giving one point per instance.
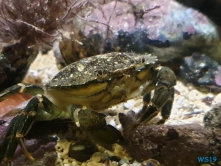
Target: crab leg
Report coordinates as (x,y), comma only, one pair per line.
(163,82)
(161,101)
(94,124)
(21,88)
(166,109)
(48,111)
(39,108)
(17,129)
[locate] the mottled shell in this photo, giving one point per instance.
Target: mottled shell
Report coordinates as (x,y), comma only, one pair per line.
(93,68)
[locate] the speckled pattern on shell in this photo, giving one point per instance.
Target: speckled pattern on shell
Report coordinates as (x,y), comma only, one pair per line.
(88,69)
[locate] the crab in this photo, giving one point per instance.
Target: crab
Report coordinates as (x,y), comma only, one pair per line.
(83,89)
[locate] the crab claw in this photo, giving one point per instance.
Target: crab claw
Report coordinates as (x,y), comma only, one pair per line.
(16,131)
(95,125)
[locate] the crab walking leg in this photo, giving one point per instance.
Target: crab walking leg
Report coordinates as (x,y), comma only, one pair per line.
(17,129)
(166,109)
(48,111)
(21,88)
(161,101)
(39,108)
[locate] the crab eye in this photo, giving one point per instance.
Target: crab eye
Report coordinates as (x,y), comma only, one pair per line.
(99,72)
(102,75)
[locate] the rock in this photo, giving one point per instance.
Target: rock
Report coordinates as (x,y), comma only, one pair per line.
(140,27)
(201,70)
(178,145)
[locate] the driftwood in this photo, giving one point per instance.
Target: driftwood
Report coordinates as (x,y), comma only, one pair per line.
(179,145)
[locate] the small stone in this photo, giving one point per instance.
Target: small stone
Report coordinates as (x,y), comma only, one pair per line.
(179,113)
(130,104)
(150,162)
(217,100)
(193,95)
(197,111)
(112,122)
(180,100)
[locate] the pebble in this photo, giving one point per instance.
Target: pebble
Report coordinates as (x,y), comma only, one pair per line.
(217,100)
(129,104)
(180,100)
(112,122)
(193,95)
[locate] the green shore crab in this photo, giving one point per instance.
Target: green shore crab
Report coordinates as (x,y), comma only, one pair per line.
(92,84)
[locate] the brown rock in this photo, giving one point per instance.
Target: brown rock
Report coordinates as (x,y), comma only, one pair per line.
(179,145)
